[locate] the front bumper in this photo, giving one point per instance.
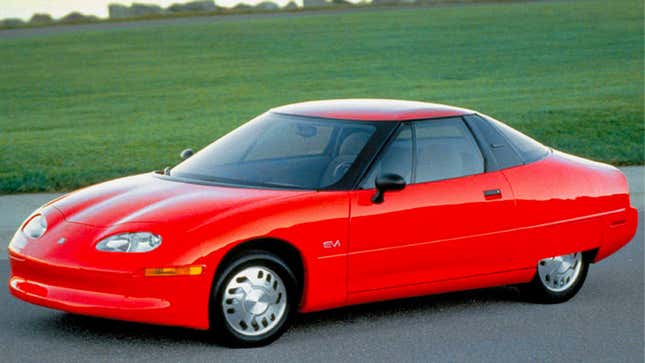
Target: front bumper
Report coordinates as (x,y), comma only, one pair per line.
(165,300)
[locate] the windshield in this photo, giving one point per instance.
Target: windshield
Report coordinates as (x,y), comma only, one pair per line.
(277,150)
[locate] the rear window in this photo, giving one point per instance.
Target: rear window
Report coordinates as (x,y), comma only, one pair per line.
(528,149)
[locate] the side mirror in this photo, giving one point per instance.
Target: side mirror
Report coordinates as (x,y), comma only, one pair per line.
(387,182)
(186,154)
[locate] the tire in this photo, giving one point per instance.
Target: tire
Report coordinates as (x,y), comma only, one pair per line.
(253,300)
(557,279)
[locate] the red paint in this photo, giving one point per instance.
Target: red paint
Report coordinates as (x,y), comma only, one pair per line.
(428,238)
(372,110)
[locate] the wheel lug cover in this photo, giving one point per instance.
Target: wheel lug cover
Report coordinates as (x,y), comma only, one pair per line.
(560,273)
(254,300)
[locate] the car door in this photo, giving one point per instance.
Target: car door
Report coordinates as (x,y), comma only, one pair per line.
(451,220)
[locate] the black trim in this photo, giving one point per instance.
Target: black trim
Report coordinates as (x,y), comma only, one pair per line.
(413,173)
(380,136)
(492,192)
(377,154)
(178,179)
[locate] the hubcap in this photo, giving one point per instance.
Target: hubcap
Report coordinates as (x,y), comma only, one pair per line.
(560,272)
(254,301)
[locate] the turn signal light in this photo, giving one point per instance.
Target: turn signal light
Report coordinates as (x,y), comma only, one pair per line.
(174,271)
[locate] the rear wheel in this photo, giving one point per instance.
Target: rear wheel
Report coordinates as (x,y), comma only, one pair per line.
(557,279)
(254,298)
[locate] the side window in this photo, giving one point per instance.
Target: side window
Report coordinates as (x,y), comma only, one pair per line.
(445,149)
(396,159)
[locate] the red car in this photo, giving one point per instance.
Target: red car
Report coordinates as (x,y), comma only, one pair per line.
(324,204)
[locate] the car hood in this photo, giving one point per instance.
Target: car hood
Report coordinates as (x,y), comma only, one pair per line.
(151,198)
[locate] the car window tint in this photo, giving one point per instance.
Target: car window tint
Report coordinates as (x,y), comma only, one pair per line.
(445,149)
(529,149)
(291,140)
(396,159)
(349,148)
(287,151)
(504,155)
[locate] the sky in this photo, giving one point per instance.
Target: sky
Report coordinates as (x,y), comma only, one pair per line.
(24,9)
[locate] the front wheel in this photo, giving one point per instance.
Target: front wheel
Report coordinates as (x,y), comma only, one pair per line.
(557,278)
(253,300)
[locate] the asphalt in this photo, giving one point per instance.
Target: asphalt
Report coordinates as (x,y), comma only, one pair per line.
(604,322)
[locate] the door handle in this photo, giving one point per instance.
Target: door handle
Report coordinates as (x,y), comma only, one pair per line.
(492,194)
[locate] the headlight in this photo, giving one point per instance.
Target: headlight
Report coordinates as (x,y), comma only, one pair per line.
(130,242)
(36,226)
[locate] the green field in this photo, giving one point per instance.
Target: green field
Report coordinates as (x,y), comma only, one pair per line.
(77,108)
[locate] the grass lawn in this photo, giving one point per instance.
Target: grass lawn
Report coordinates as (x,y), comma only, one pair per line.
(77,108)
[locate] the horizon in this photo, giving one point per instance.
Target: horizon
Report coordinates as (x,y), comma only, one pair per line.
(25,9)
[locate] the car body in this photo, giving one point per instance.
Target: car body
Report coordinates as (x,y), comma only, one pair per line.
(491,207)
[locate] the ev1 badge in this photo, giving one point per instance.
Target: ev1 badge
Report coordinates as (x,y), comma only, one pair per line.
(331,244)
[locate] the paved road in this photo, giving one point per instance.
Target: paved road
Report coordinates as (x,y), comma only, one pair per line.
(604,322)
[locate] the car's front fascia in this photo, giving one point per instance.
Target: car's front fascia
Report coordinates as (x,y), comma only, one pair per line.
(62,269)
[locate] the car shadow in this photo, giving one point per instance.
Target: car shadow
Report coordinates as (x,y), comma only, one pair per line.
(441,304)
(85,327)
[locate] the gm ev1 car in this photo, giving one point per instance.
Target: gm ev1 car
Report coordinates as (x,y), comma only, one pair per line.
(323,204)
